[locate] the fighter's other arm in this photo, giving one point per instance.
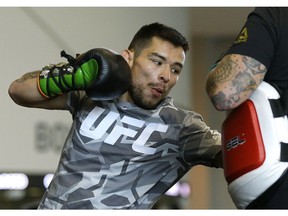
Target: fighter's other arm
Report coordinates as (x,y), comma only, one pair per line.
(218,160)
(233,80)
(24,92)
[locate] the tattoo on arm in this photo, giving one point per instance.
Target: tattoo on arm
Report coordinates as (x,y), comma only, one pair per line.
(250,77)
(220,101)
(242,76)
(221,74)
(254,66)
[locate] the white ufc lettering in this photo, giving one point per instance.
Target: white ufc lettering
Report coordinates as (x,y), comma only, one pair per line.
(143,138)
(119,130)
(87,129)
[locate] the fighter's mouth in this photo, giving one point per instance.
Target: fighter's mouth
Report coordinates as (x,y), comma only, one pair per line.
(158,92)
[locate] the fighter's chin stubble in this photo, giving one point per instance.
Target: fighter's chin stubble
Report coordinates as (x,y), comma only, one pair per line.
(136,93)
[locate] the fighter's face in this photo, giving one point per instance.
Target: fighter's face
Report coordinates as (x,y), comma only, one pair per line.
(154,72)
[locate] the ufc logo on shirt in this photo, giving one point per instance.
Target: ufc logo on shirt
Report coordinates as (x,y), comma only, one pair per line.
(87,129)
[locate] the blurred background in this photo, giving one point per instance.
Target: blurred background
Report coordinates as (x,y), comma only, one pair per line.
(32,37)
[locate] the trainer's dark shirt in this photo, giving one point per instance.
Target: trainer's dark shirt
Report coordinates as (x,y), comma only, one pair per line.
(264,37)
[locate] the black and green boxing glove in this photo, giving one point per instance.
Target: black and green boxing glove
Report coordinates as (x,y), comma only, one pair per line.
(102,73)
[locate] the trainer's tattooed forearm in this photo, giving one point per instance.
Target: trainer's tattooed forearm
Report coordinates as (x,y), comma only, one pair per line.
(254,66)
(220,102)
(243,82)
(233,81)
(221,74)
(30,75)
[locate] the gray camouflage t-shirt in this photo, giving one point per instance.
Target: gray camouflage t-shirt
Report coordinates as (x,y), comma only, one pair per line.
(119,156)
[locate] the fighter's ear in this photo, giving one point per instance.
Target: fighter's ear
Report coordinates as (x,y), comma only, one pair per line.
(128,56)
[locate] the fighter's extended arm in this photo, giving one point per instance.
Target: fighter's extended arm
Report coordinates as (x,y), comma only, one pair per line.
(24,92)
(102,73)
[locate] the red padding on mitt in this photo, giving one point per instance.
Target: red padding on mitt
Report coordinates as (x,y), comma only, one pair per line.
(242,143)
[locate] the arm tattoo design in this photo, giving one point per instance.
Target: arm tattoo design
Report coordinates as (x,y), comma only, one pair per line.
(243,76)
(220,75)
(254,66)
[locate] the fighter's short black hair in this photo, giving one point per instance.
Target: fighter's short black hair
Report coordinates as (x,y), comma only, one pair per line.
(145,34)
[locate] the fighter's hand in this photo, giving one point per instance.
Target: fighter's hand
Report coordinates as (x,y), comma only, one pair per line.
(102,73)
